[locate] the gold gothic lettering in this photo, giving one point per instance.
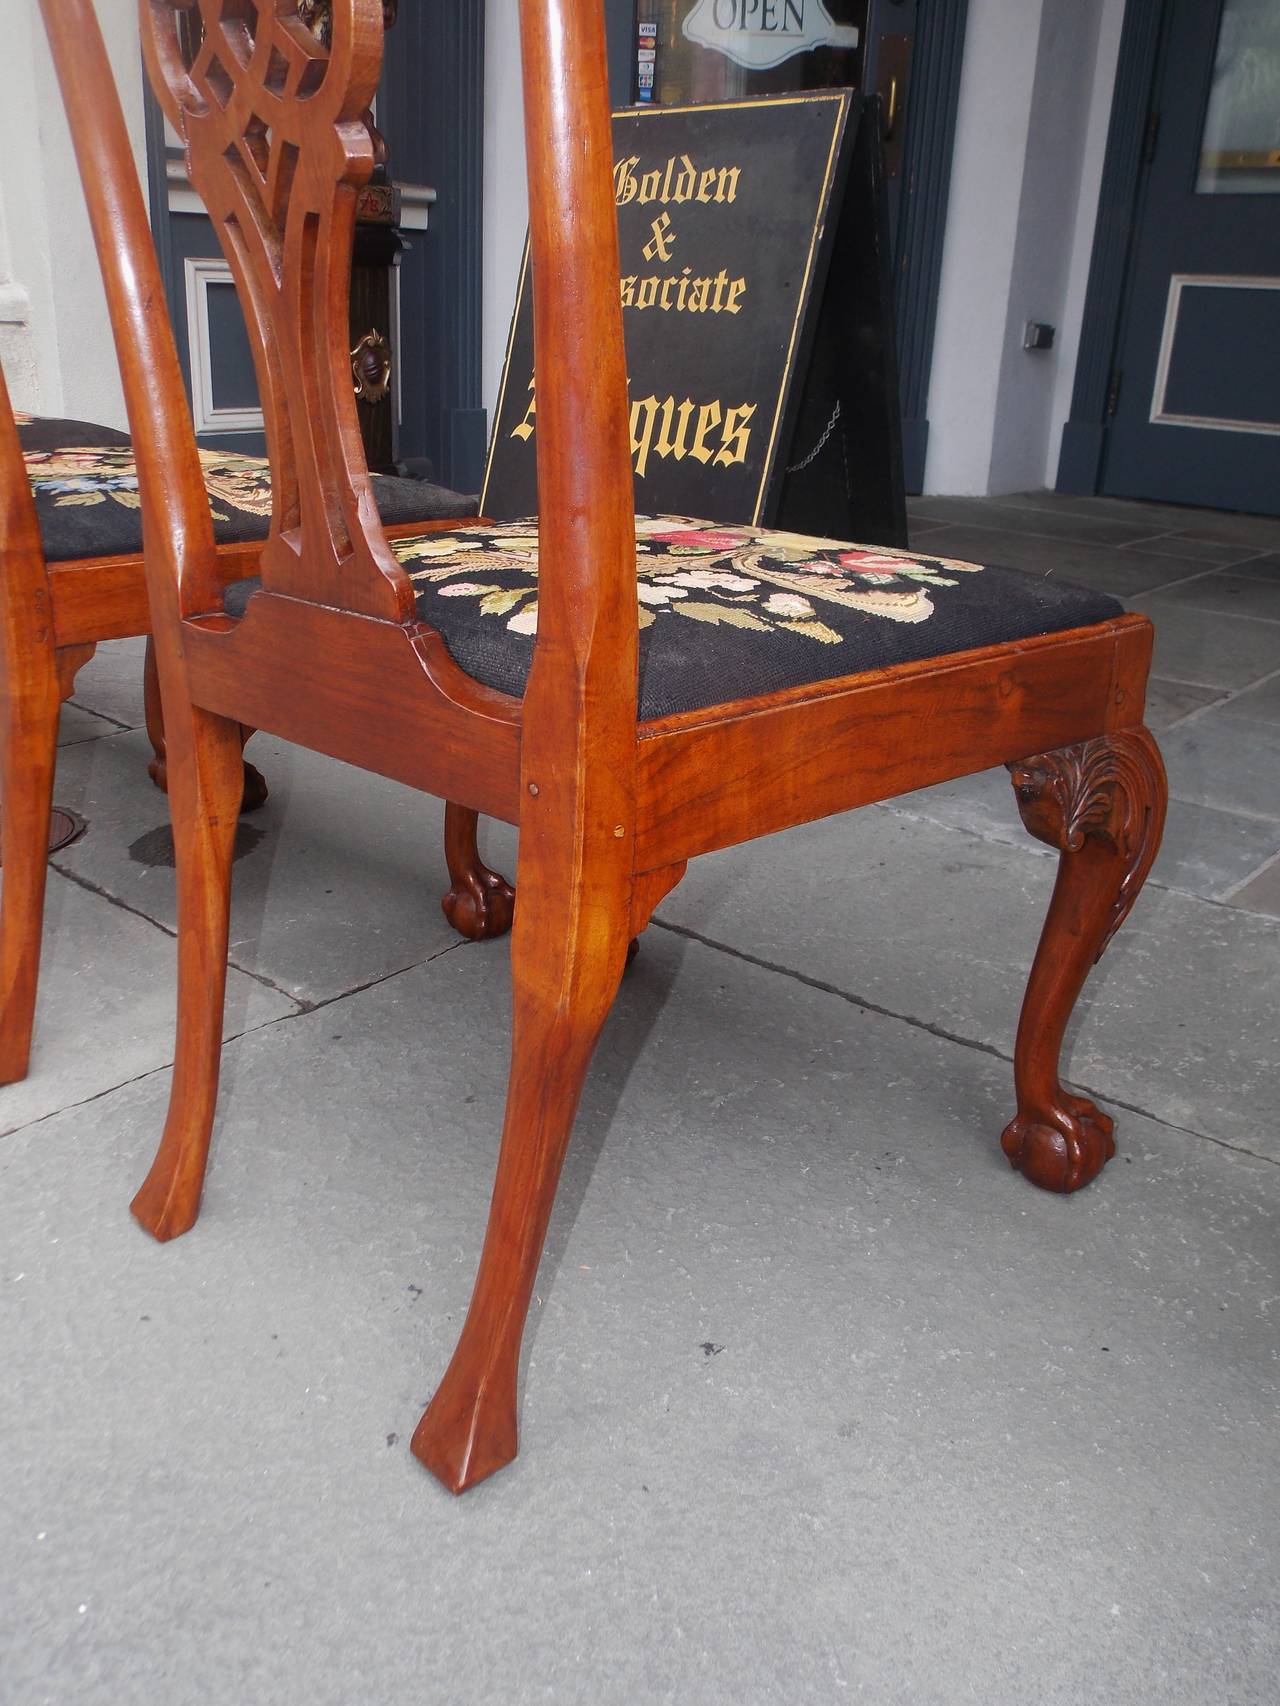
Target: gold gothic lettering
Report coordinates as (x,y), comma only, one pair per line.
(661,428)
(677,182)
(524,431)
(682,293)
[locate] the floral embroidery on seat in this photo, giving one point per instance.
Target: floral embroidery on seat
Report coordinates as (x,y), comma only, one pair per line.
(102,474)
(752,578)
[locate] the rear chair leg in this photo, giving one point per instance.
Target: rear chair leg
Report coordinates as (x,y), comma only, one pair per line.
(255,784)
(480,903)
(205,786)
(28,747)
(1102,804)
(566,966)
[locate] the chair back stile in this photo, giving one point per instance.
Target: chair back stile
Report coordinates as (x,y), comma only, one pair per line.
(277,148)
(20,545)
(181,569)
(579,717)
(587,578)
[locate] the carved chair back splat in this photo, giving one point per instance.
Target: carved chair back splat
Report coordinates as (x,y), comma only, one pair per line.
(335,652)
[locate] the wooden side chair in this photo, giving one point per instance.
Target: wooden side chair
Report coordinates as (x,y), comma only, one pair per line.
(680,688)
(71,576)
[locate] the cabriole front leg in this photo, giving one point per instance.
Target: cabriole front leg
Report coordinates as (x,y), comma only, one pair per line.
(1102,805)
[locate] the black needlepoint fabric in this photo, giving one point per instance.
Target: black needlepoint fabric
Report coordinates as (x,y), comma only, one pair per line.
(732,612)
(85,487)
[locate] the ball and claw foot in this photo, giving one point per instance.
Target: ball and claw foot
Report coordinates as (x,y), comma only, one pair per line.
(1064,1155)
(255,788)
(480,905)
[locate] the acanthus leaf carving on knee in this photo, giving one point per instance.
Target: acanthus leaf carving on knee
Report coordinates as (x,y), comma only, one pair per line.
(1111,788)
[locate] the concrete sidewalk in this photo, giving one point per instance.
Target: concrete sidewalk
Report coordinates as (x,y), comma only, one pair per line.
(821,1401)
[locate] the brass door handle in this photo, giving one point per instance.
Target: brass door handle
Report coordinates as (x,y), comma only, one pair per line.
(371,367)
(891,109)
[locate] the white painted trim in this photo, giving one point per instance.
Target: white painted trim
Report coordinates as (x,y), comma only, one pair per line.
(201,272)
(15,305)
(180,195)
(416,200)
(185,201)
(1179,282)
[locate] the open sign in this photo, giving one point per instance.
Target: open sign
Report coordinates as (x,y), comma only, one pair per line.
(760,34)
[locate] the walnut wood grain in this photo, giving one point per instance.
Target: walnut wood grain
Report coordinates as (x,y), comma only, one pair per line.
(1102,805)
(710,779)
(325,678)
(105,598)
(648,891)
(578,756)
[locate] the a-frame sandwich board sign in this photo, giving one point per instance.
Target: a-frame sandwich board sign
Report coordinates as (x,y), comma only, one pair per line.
(758,324)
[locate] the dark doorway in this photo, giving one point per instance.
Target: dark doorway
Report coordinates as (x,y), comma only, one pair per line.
(907,52)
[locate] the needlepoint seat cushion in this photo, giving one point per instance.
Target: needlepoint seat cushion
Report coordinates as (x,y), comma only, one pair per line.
(734,612)
(85,486)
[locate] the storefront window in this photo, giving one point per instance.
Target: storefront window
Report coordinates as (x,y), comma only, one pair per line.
(723,50)
(1240,147)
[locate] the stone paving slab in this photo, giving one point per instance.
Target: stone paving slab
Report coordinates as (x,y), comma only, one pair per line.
(1263,893)
(1178,1019)
(1224,651)
(1205,851)
(75,724)
(1260,702)
(1262,532)
(1083,527)
(338,878)
(821,1400)
(1264,567)
(1168,702)
(1230,594)
(1106,567)
(1156,518)
(111,682)
(106,1007)
(1227,759)
(1206,551)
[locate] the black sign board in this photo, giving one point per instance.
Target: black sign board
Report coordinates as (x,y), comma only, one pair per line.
(740,315)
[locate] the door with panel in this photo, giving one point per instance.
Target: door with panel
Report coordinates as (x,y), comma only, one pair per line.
(1195,389)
